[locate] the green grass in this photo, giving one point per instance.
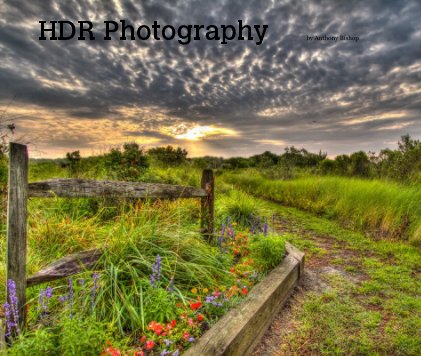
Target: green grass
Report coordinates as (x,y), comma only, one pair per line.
(381,209)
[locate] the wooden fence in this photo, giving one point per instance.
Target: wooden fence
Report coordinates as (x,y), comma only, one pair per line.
(20,190)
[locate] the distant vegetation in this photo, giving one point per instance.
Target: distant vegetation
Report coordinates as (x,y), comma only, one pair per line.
(401,165)
(131,162)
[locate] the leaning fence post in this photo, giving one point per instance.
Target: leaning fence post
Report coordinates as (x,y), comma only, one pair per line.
(16,223)
(207,204)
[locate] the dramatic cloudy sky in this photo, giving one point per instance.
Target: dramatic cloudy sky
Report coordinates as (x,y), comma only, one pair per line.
(234,99)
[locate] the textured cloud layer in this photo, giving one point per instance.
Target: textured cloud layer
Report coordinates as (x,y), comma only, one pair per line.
(234,99)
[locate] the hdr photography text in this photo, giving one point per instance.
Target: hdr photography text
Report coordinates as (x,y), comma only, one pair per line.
(123,30)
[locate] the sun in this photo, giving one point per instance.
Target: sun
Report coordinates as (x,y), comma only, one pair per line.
(198,132)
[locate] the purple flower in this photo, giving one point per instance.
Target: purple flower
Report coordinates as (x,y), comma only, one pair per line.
(165,353)
(176,353)
(171,285)
(192,339)
(220,239)
(95,278)
(156,271)
(167,342)
(210,298)
(223,230)
(49,292)
(13,303)
(9,323)
(63,298)
(265,229)
(158,267)
(44,297)
(70,285)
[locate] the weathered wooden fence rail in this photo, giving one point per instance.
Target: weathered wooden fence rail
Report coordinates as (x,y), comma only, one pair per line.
(19,190)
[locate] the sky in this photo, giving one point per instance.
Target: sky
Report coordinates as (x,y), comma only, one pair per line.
(234,99)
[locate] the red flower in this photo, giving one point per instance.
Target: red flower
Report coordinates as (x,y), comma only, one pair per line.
(159,329)
(143,339)
(244,291)
(156,327)
(194,306)
(232,270)
(190,322)
(236,252)
(183,316)
(200,317)
(139,353)
(150,345)
(186,335)
(173,322)
(111,351)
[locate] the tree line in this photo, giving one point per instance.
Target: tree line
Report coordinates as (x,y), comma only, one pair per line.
(131,162)
(402,164)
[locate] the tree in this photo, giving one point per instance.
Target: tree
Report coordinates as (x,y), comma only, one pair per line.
(127,164)
(264,160)
(360,164)
(168,156)
(407,144)
(73,162)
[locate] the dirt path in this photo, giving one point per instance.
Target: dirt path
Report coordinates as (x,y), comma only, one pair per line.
(317,268)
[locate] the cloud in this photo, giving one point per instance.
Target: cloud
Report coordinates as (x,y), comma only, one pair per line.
(335,96)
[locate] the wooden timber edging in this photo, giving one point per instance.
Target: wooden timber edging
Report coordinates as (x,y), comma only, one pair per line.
(66,267)
(239,331)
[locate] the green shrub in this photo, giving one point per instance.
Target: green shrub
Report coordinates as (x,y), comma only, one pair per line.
(129,164)
(38,342)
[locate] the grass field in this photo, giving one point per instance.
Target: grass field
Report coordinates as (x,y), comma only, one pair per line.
(380,209)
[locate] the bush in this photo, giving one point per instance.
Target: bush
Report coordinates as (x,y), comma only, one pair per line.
(129,164)
(168,156)
(69,337)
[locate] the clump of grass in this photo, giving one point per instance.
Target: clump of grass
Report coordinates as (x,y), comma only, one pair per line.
(240,207)
(268,252)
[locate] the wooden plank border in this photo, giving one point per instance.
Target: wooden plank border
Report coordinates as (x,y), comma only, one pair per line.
(239,331)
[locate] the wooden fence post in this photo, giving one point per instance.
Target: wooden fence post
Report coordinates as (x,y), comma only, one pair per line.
(207,205)
(16,223)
